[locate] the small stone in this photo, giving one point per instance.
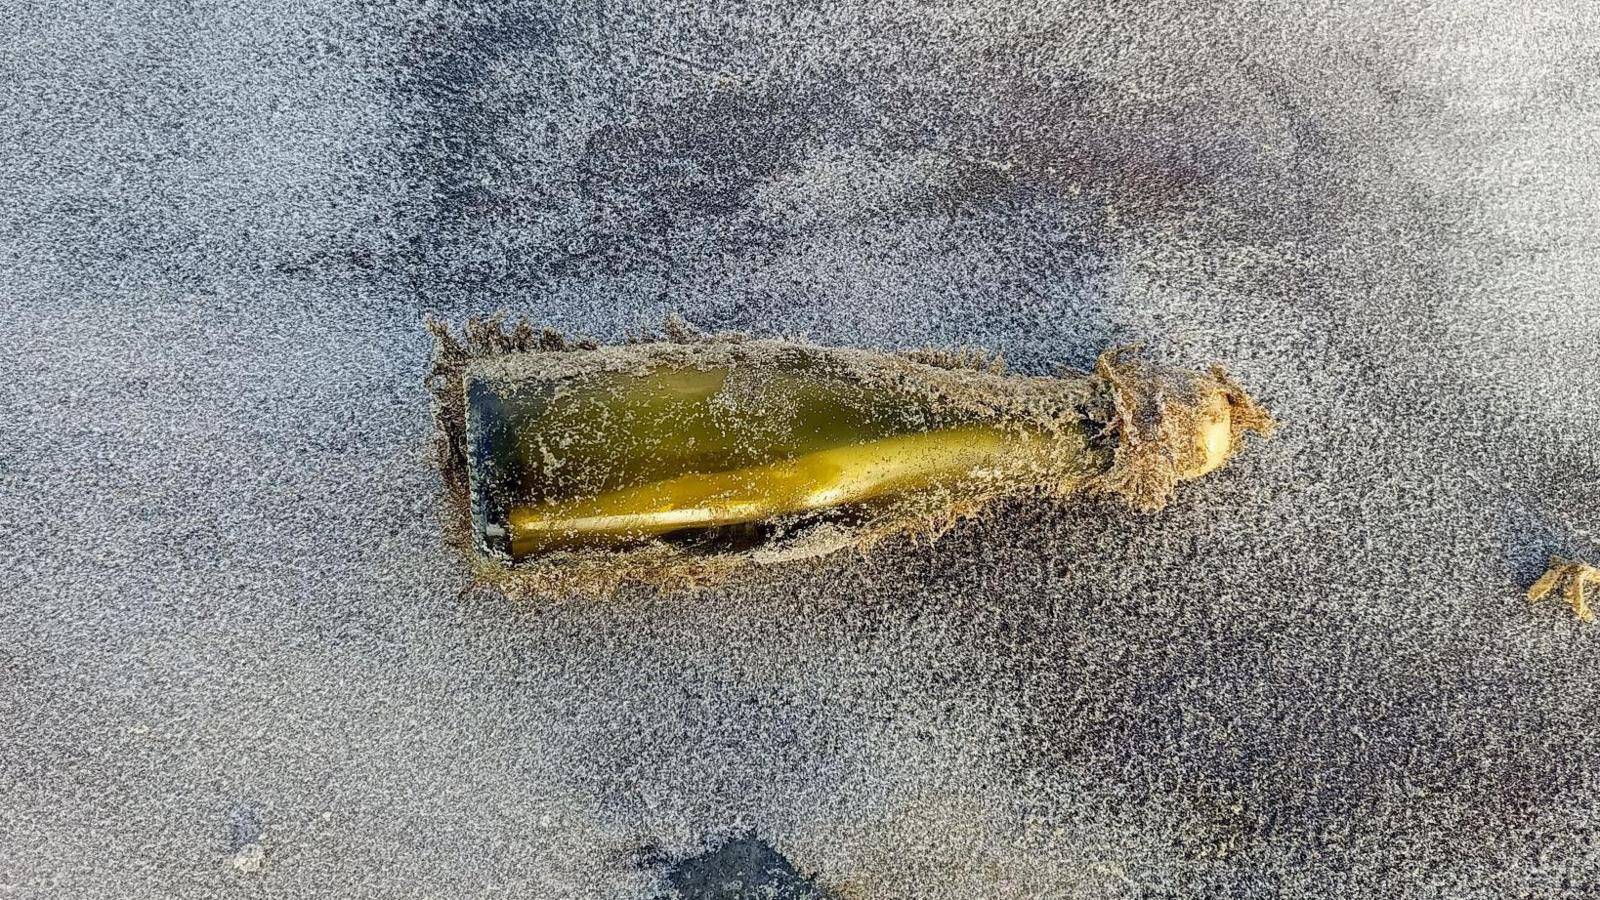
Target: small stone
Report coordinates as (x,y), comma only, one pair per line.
(249,858)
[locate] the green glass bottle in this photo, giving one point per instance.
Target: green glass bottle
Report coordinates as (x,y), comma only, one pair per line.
(678,453)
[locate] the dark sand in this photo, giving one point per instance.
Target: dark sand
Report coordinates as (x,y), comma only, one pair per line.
(236,660)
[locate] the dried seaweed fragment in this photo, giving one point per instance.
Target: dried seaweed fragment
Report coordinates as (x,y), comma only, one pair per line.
(679,460)
(1576,576)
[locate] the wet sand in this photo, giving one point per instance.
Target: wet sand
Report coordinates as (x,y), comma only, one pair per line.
(237,659)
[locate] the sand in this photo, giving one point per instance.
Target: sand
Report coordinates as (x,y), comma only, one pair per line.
(236,658)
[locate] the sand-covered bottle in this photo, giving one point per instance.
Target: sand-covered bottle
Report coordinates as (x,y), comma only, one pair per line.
(689,457)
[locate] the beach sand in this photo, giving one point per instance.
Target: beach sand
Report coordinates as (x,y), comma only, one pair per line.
(236,658)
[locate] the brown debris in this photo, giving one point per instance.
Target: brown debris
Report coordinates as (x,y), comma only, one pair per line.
(1577,576)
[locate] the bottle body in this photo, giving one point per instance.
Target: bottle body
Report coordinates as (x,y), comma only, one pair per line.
(624,448)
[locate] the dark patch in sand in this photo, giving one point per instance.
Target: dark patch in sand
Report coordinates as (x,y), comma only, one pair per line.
(740,866)
(467,190)
(696,161)
(244,827)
